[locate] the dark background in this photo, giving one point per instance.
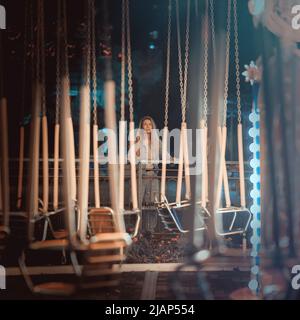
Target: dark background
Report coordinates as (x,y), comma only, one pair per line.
(149,57)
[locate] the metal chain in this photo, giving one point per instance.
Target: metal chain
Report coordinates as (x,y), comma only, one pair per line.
(212,20)
(43,58)
(168,65)
(94,62)
(88,45)
(206,49)
(186,59)
(179,55)
(123,62)
(237,62)
(65,33)
(183,75)
(25,59)
(38,51)
(129,61)
(31,40)
(58,53)
(227,63)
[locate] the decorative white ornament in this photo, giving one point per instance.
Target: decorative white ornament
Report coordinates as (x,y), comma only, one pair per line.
(252,73)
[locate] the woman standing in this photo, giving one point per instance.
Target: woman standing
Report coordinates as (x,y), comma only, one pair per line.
(148,148)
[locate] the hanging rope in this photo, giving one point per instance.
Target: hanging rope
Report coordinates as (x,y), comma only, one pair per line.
(237,62)
(84,133)
(45,148)
(239,109)
(66,101)
(122,123)
(94,63)
(212,21)
(227,63)
(43,59)
(167,93)
(206,51)
(131,114)
(123,62)
(183,73)
(58,57)
(183,78)
(57,107)
(222,129)
(95,120)
(22,121)
(204,121)
(129,61)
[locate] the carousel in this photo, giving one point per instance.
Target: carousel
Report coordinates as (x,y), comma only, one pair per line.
(149,151)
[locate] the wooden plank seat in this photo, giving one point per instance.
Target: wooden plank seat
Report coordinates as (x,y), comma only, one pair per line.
(60,234)
(115,236)
(50,245)
(106,258)
(108,245)
(100,220)
(55,289)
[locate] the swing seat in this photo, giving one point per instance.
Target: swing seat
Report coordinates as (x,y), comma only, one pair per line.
(49,288)
(173,217)
(235,212)
(137,213)
(104,251)
(108,237)
(178,215)
(50,245)
(100,220)
(55,289)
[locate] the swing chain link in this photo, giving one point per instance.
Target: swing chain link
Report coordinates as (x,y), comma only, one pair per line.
(212,20)
(88,45)
(130,81)
(186,65)
(65,33)
(25,44)
(227,63)
(43,61)
(237,63)
(37,51)
(183,75)
(58,52)
(168,65)
(206,49)
(123,61)
(94,62)
(179,56)
(31,41)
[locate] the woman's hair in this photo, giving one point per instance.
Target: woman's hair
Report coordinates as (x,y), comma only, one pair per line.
(155,141)
(147,118)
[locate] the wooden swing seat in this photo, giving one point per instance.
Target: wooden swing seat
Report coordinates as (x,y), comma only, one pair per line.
(55,289)
(50,245)
(101,221)
(60,234)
